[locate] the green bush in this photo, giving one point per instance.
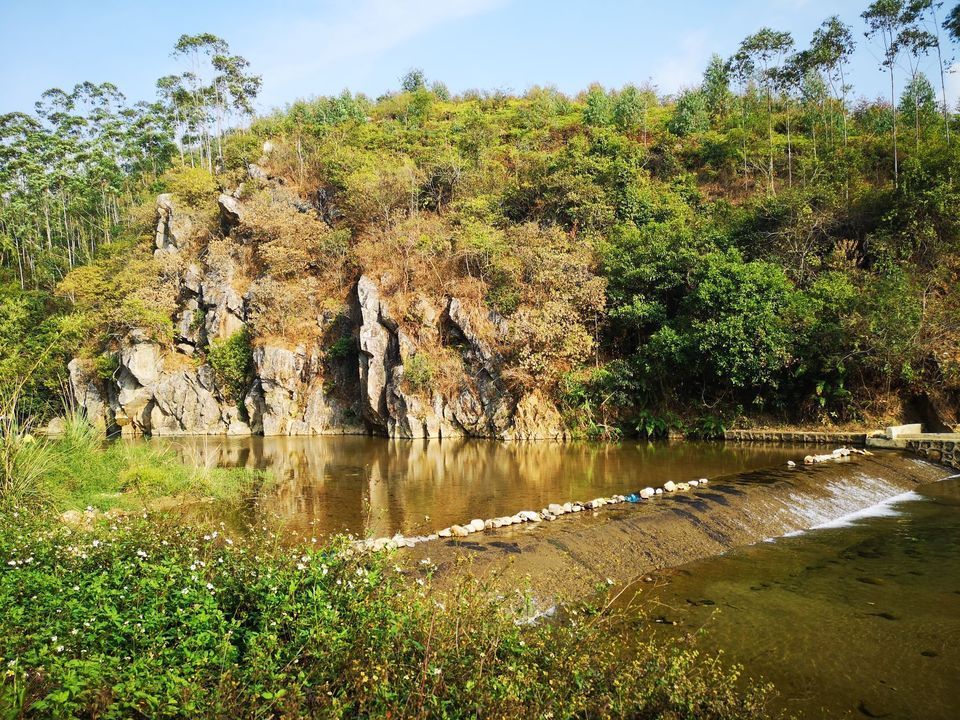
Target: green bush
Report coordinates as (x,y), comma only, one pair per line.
(418,372)
(106,365)
(232,362)
(193,185)
(342,348)
(141,616)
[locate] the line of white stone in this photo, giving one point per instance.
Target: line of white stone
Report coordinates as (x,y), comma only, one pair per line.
(549,513)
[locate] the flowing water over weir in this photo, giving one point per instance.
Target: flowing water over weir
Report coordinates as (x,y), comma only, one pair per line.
(857,619)
(377,487)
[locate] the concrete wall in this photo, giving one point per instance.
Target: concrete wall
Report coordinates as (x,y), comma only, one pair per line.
(817,438)
(944,450)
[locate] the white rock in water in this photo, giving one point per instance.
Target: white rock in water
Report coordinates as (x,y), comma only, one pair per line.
(568,507)
(647,492)
(791,463)
(476,525)
(445,533)
(459,531)
(808,460)
(669,486)
(683,486)
(598,502)
(577,507)
(432,536)
(518,518)
(556,509)
(531,516)
(693,483)
(658,491)
(489,524)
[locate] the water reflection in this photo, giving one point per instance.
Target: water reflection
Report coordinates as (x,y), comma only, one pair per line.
(377,486)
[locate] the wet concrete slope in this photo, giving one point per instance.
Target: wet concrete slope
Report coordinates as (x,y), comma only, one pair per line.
(570,557)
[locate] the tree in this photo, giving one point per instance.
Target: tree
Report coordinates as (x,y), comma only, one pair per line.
(885,22)
(918,104)
(716,88)
(413,80)
(631,108)
(763,52)
(690,115)
(829,53)
(925,37)
(216,85)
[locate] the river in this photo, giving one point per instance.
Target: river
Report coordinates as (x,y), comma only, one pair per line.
(856,618)
(377,487)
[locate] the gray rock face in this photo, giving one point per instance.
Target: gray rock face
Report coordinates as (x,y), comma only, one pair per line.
(173,227)
(296,391)
(374,338)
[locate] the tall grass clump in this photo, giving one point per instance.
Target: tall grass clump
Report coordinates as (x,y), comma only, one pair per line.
(25,460)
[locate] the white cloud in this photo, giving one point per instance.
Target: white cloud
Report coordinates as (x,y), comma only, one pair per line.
(684,67)
(356,32)
(953,86)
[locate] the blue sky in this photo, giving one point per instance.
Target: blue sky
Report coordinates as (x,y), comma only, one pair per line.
(305,48)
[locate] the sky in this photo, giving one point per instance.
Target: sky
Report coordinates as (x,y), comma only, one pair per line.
(305,49)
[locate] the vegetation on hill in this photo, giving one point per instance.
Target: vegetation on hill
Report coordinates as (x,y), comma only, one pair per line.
(760,245)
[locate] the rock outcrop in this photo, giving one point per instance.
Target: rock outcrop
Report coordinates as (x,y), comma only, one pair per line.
(170,388)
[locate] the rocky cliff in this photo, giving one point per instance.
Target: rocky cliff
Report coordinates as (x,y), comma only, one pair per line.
(169,388)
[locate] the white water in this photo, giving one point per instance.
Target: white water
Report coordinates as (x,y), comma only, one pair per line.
(882,508)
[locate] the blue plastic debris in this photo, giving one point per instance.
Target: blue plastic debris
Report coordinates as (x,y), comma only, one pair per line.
(633,498)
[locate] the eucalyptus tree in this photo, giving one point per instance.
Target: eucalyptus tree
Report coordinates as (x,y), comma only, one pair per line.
(215,85)
(631,108)
(830,51)
(951,23)
(925,36)
(765,52)
(886,21)
(741,67)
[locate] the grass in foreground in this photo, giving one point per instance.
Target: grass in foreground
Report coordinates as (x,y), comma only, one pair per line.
(146,617)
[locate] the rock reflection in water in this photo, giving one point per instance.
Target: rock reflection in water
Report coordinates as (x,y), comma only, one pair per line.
(378,486)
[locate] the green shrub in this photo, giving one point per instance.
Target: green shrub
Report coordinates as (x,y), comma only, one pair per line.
(232,362)
(657,427)
(193,185)
(106,365)
(142,616)
(418,372)
(342,348)
(707,427)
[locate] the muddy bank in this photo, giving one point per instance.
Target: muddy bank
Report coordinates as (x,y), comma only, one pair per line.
(570,557)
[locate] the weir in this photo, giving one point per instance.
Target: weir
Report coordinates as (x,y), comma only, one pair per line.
(569,558)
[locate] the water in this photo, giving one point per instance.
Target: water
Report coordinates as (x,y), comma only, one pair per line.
(375,486)
(857,619)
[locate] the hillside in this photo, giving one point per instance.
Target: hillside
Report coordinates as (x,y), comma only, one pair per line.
(526,266)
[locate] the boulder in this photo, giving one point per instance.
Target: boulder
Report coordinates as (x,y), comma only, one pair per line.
(231,209)
(669,486)
(143,360)
(476,525)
